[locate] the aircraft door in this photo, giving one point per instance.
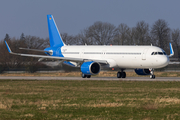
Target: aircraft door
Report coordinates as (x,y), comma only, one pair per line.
(144,54)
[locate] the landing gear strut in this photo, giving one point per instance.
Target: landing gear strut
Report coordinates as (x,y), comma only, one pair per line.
(152,76)
(121,74)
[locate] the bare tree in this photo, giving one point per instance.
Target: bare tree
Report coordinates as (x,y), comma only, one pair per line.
(176,41)
(160,34)
(22,37)
(7,59)
(32,42)
(121,34)
(69,39)
(36,42)
(131,36)
(142,33)
(102,33)
(7,37)
(85,38)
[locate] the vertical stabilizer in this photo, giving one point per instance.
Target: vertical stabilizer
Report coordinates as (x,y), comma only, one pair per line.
(54,35)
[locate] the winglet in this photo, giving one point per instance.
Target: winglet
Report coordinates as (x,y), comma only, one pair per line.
(171,50)
(9,50)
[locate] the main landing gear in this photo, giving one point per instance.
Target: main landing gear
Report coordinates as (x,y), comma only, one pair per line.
(86,76)
(152,76)
(121,74)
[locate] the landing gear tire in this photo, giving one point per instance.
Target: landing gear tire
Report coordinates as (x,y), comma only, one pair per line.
(123,75)
(84,76)
(152,76)
(119,74)
(88,76)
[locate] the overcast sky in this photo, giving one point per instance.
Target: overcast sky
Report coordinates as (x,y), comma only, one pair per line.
(72,16)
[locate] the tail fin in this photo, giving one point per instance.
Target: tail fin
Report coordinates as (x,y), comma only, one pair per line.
(54,35)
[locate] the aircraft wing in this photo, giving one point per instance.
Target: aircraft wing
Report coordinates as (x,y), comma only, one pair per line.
(35,50)
(55,57)
(174,62)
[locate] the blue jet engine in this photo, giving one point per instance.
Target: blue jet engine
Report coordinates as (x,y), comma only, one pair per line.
(90,68)
(142,71)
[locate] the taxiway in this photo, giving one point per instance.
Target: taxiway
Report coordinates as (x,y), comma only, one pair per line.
(93,78)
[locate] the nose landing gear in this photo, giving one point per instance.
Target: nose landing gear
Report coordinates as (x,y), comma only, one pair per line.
(152,76)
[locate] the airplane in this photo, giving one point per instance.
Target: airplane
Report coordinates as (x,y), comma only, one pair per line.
(91,58)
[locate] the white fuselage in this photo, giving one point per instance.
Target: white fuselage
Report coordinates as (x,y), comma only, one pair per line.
(119,56)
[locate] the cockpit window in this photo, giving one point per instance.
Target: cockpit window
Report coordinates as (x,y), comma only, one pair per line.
(158,53)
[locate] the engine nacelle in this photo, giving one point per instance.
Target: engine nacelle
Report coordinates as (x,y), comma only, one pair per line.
(142,71)
(90,68)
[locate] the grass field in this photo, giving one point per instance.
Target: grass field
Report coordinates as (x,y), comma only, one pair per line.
(101,74)
(99,100)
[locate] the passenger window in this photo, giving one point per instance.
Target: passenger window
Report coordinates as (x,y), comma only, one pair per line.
(152,53)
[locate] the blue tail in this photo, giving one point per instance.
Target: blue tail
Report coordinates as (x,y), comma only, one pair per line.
(54,35)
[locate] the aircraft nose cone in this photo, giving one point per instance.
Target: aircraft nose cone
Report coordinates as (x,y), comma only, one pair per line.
(164,61)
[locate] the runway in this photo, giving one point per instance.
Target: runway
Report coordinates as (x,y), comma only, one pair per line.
(92,78)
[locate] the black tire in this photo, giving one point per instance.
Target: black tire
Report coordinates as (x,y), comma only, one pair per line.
(119,75)
(123,75)
(88,76)
(152,76)
(84,76)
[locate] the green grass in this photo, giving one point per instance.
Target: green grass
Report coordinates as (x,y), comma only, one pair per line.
(101,74)
(89,100)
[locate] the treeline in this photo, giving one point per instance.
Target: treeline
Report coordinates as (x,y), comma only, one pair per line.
(100,33)
(8,61)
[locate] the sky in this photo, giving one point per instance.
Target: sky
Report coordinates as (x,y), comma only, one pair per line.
(72,16)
